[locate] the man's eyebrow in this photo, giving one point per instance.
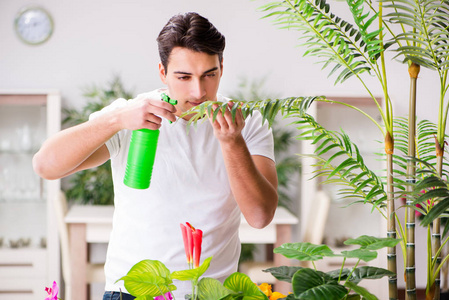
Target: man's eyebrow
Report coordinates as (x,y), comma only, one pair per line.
(187,73)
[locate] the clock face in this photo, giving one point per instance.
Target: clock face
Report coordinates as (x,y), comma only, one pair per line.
(34,25)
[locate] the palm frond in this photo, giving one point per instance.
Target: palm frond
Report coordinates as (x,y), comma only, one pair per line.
(269,108)
(428,37)
(358,180)
(351,51)
(424,142)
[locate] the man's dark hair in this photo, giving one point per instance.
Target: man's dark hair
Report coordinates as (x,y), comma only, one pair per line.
(191,31)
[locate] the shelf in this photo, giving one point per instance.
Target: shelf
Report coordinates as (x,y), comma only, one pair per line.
(27,118)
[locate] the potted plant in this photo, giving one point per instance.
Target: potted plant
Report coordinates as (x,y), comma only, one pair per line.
(94,186)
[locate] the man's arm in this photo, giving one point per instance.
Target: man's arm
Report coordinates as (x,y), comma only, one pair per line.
(253,178)
(83,146)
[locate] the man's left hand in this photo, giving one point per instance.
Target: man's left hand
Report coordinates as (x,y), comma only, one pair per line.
(225,128)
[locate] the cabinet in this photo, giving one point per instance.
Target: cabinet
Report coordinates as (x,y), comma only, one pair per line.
(29,247)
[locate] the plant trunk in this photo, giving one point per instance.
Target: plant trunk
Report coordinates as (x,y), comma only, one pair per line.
(391,221)
(436,235)
(445,269)
(410,277)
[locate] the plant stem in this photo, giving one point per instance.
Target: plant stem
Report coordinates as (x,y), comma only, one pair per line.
(410,269)
(391,224)
(436,235)
(430,287)
(341,269)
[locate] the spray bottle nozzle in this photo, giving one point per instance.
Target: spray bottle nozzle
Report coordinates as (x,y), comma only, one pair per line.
(166,98)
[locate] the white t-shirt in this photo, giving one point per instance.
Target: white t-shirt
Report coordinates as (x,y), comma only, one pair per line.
(189,184)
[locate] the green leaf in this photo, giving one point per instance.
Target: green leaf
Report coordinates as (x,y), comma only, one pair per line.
(436,212)
(192,274)
(146,284)
(242,284)
(362,254)
(148,277)
(372,243)
(146,297)
(304,251)
(360,290)
(283,273)
(153,266)
(311,284)
(339,273)
(211,289)
(368,272)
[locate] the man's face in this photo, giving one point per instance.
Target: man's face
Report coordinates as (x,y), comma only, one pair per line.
(191,77)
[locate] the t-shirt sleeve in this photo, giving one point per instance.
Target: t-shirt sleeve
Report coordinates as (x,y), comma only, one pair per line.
(113,144)
(258,136)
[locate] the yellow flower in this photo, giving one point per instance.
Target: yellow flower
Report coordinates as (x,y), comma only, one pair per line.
(266,289)
(276,295)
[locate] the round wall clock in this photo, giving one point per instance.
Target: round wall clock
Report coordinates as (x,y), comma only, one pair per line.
(33,25)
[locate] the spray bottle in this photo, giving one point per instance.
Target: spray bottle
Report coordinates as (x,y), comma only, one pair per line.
(142,151)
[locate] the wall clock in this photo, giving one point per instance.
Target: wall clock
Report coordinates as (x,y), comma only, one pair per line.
(33,25)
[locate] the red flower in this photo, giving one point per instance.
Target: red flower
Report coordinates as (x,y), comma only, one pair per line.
(197,241)
(193,239)
(188,245)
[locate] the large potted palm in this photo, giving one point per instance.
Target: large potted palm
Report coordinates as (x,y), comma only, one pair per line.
(417,32)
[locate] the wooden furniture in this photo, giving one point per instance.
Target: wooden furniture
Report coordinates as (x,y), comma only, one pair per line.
(29,256)
(93,224)
(93,272)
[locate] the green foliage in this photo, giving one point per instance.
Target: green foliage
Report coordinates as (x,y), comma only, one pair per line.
(312,284)
(432,189)
(426,43)
(148,278)
(304,251)
(425,150)
(192,274)
(151,278)
(351,50)
(94,186)
(338,284)
(356,179)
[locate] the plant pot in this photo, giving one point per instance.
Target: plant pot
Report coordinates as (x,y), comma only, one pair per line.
(444,295)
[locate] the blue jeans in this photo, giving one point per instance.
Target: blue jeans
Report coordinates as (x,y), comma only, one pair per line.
(116,296)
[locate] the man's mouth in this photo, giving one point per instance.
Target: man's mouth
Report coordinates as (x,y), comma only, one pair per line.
(195,103)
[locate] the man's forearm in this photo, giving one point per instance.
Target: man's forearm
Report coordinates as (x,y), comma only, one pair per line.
(253,182)
(67,151)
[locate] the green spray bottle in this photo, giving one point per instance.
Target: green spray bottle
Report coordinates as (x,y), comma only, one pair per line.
(142,151)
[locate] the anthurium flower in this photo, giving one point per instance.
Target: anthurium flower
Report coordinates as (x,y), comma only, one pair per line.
(52,293)
(188,245)
(193,239)
(166,296)
(197,241)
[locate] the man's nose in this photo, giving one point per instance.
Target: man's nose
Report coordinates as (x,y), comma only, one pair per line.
(198,89)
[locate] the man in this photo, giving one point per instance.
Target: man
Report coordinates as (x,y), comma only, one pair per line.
(206,177)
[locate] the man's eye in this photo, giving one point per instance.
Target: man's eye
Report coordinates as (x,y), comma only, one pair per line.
(210,75)
(183,77)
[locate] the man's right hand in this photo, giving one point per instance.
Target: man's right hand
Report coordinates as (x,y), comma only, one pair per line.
(146,111)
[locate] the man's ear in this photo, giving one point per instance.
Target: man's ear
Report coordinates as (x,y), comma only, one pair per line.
(162,74)
(221,68)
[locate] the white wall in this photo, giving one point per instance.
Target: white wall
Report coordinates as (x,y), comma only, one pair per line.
(94,39)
